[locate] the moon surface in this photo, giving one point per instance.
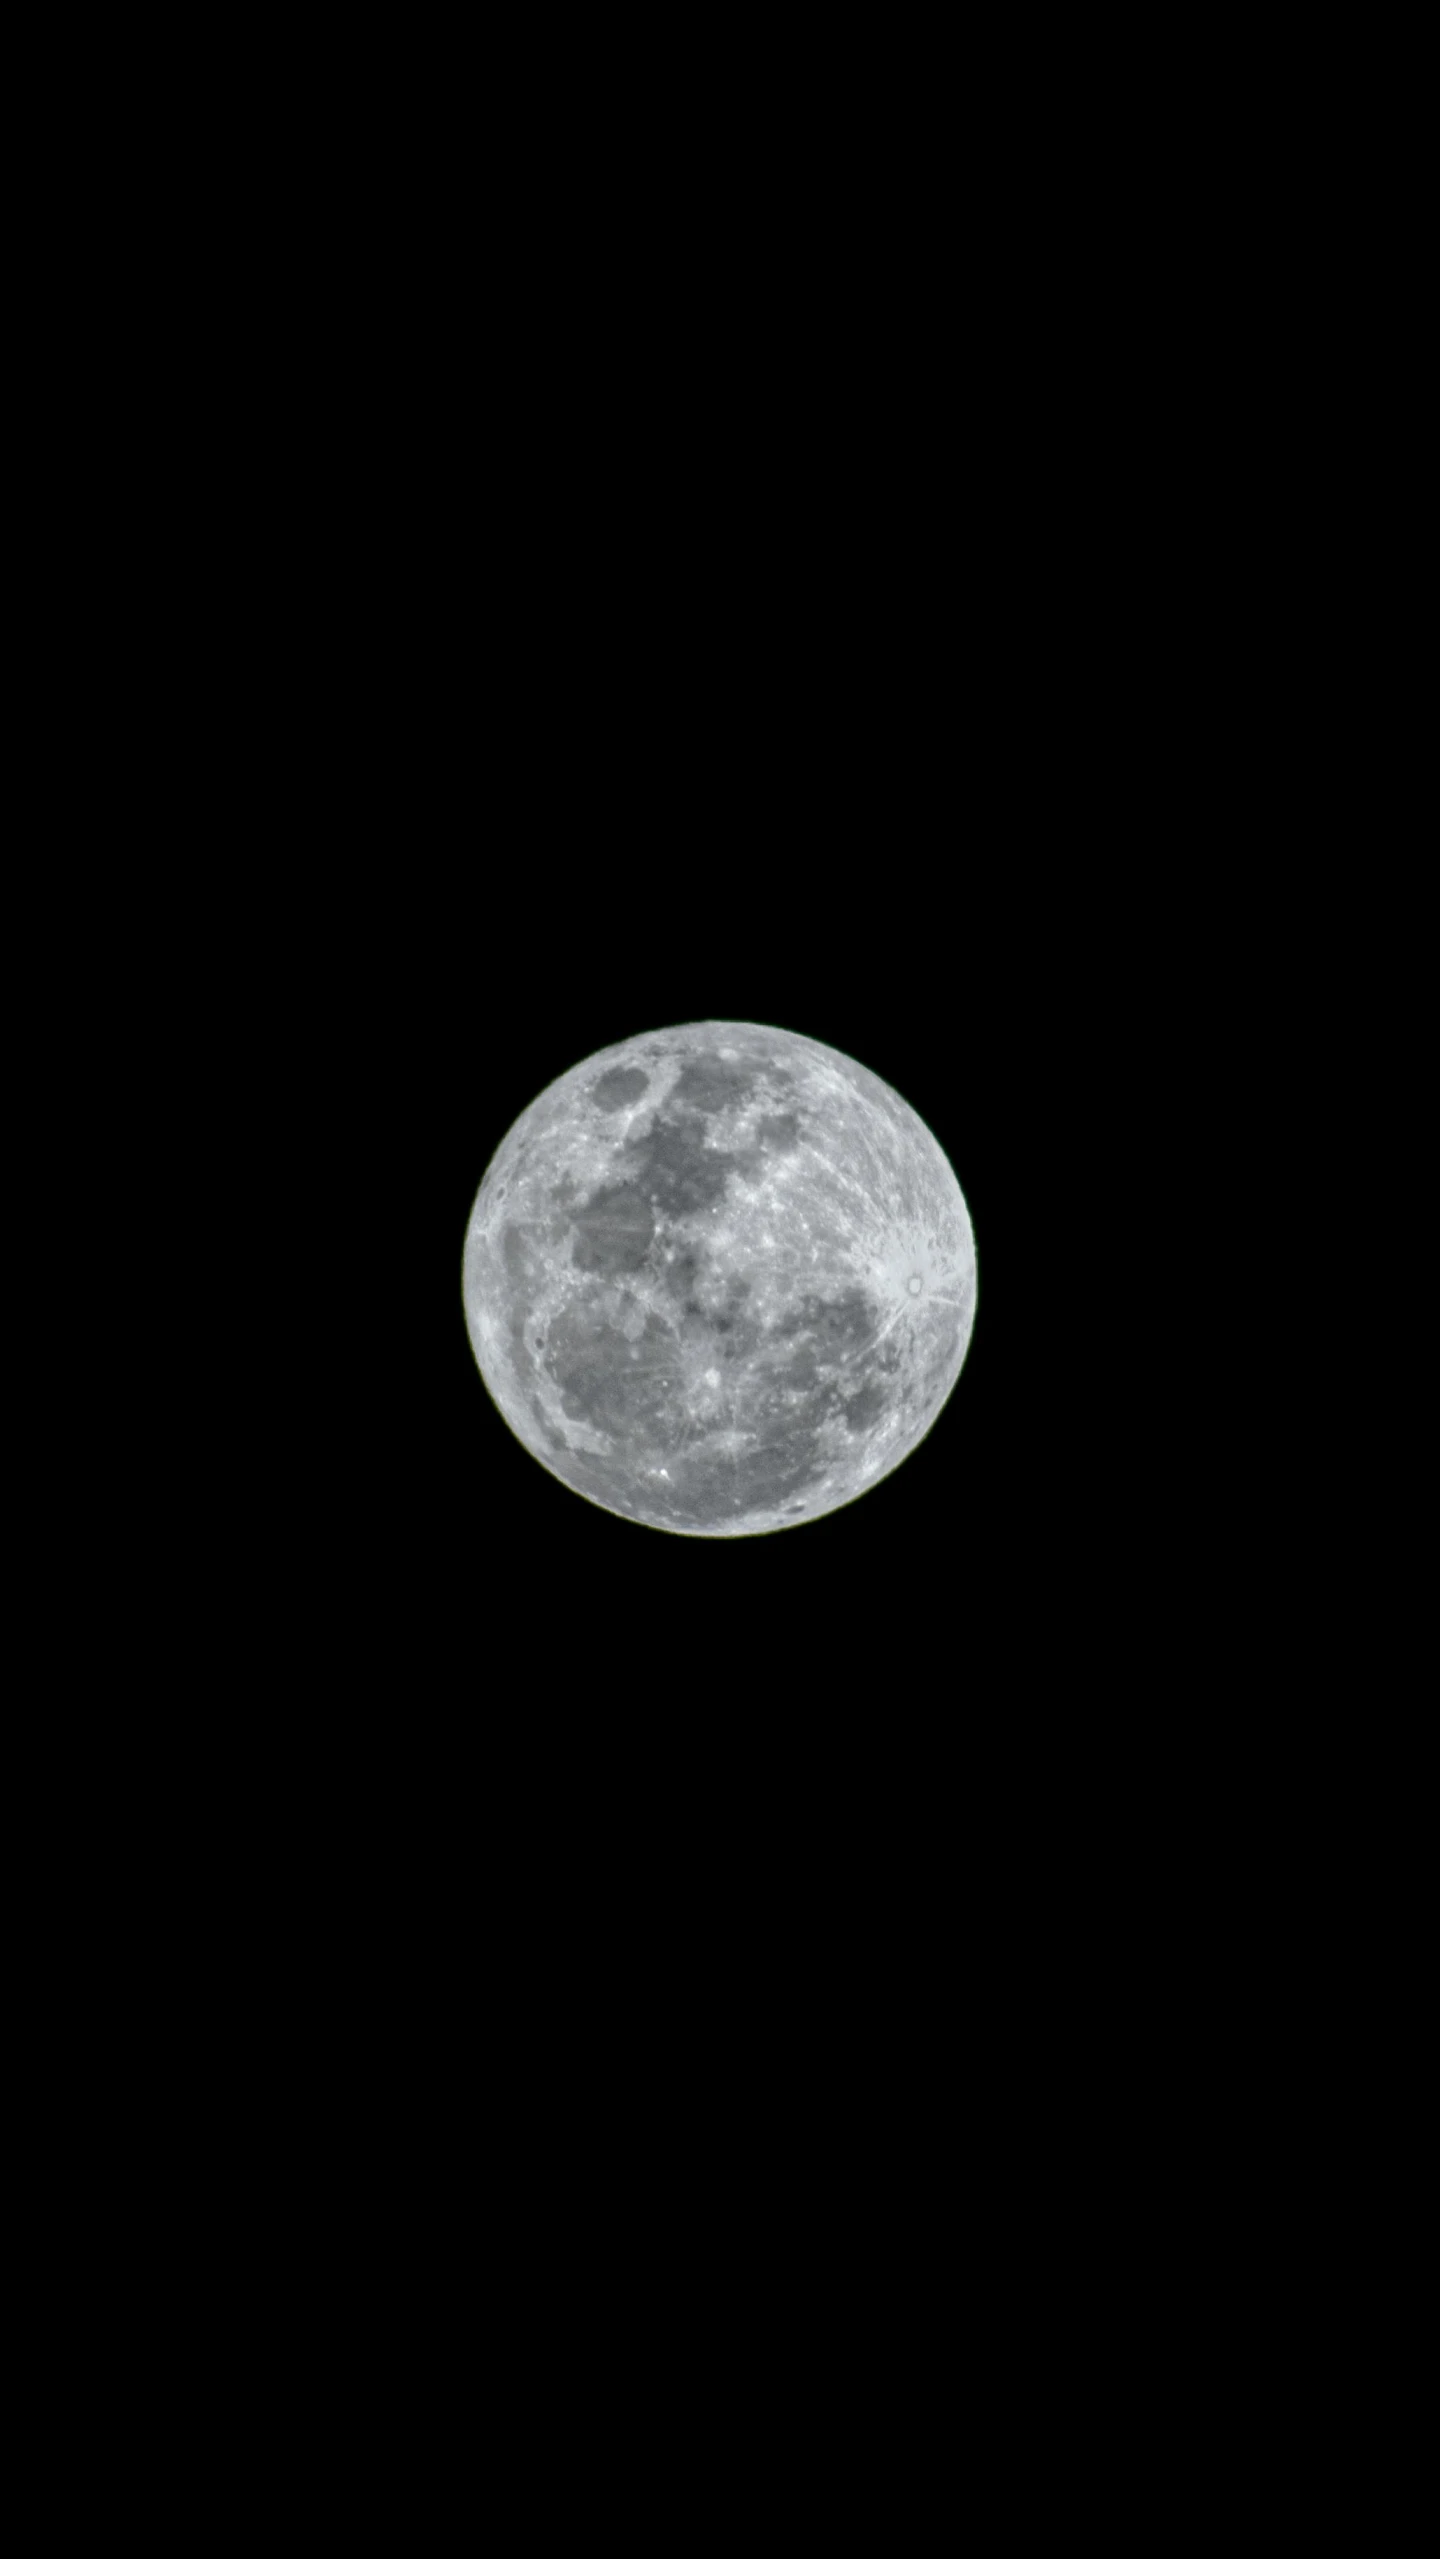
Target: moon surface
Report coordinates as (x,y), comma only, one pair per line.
(719,1279)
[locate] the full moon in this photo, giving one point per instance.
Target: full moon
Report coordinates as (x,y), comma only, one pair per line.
(719,1279)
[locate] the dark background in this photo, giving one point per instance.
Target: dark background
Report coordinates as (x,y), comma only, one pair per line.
(813,622)
(800,620)
(544,580)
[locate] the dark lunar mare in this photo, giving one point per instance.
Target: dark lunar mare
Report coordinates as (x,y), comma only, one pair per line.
(620,1085)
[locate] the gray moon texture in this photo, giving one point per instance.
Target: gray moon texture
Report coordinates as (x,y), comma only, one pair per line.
(719,1279)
